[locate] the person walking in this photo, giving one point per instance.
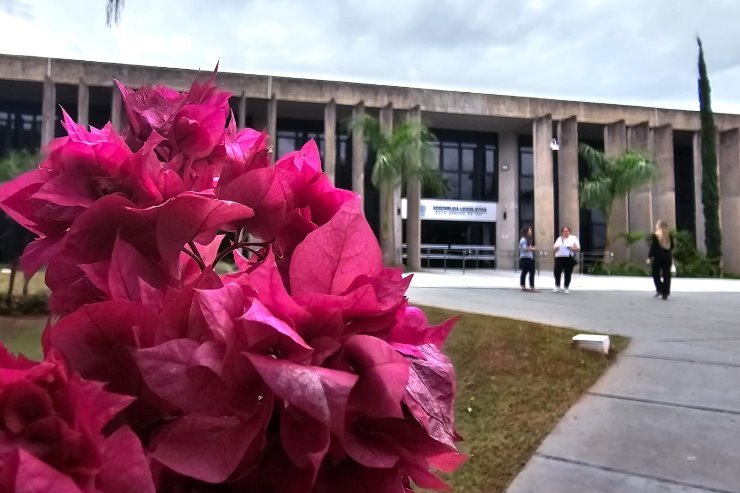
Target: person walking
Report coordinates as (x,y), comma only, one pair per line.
(661,258)
(526,259)
(566,247)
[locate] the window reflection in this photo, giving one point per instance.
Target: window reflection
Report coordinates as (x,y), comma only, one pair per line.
(468,162)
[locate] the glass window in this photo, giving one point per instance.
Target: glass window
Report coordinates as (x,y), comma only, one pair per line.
(285,145)
(491,188)
(490,159)
(526,211)
(450,158)
(453,184)
(466,185)
(342,145)
(526,162)
(526,185)
(464,154)
(468,158)
(436,152)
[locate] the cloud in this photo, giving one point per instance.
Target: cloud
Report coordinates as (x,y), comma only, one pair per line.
(17,8)
(626,51)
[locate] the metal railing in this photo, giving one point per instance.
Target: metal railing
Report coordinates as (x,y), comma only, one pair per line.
(583,259)
(453,252)
(479,253)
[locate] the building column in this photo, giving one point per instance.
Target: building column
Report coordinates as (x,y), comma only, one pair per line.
(358,153)
(83,103)
(242,116)
(615,143)
(272,126)
(388,203)
(48,111)
(664,186)
(413,206)
(729,199)
(698,206)
(330,140)
(544,197)
(568,198)
(640,202)
(116,116)
(507,215)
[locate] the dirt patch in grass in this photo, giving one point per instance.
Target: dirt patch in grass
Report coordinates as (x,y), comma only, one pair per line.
(515,381)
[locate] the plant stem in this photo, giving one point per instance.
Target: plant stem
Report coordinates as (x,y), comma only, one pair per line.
(195,255)
(240,244)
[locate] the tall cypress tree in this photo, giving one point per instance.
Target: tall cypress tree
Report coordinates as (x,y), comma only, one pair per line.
(709,186)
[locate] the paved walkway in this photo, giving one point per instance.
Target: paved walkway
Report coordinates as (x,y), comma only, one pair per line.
(665,417)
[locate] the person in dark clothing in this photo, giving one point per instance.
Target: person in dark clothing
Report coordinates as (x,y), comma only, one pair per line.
(526,259)
(661,258)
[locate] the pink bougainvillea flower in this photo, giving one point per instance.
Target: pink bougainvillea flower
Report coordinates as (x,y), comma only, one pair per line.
(98,338)
(430,394)
(304,371)
(191,122)
(412,329)
(331,257)
(52,439)
(245,150)
(263,281)
(78,269)
(197,129)
(77,171)
(192,217)
(266,192)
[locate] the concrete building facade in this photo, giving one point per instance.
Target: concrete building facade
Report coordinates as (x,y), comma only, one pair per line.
(494,151)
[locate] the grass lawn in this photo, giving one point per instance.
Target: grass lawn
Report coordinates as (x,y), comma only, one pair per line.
(35,286)
(515,381)
(22,334)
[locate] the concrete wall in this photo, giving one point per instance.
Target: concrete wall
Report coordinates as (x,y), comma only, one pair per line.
(14,67)
(507,220)
(664,187)
(544,213)
(698,206)
(729,192)
(640,199)
(568,205)
(330,140)
(615,143)
(266,94)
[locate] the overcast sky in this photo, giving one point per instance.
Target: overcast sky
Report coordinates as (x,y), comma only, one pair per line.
(625,51)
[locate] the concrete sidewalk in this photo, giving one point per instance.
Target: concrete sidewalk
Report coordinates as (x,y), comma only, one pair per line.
(665,417)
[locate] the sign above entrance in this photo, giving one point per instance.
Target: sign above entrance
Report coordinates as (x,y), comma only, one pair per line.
(454,210)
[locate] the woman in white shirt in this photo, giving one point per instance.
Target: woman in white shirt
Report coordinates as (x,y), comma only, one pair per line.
(566,247)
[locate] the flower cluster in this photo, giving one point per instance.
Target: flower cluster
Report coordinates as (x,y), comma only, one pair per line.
(305,370)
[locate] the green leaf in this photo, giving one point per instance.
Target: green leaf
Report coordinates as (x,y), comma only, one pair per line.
(408,151)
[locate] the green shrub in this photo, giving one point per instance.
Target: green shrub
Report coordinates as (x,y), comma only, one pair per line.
(27,305)
(689,261)
(618,269)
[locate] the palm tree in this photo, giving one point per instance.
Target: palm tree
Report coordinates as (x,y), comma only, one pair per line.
(610,178)
(113,10)
(406,151)
(13,164)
